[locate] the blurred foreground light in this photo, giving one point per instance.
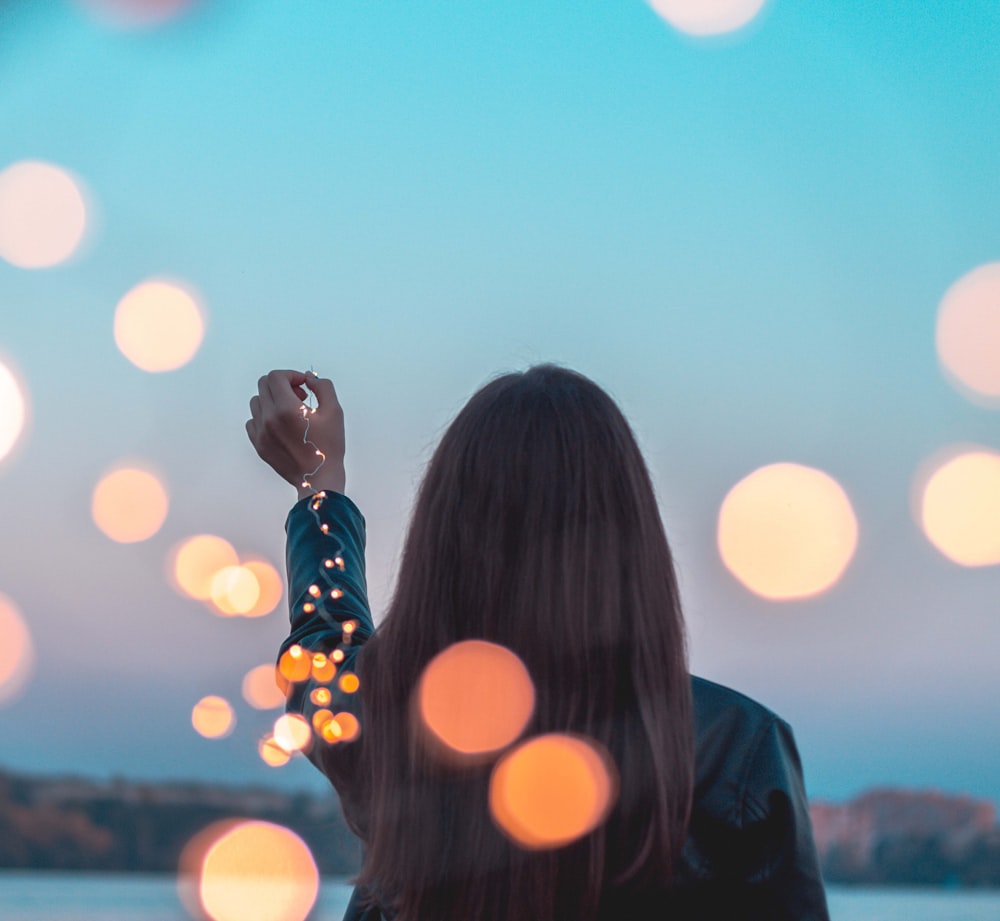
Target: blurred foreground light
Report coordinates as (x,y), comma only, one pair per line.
(295,664)
(320,718)
(292,732)
(960,507)
(13,410)
(475,697)
(136,14)
(349,726)
(322,668)
(159,326)
(235,590)
(260,688)
(787,531)
(43,214)
(239,870)
(17,653)
(320,696)
(269,584)
(707,17)
(129,505)
(968,334)
(195,562)
(552,789)
(271,753)
(213,717)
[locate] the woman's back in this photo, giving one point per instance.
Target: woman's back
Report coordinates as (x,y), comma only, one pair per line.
(536,529)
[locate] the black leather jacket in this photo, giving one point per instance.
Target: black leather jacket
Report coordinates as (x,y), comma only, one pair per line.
(749,853)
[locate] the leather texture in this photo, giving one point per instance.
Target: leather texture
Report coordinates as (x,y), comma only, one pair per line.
(749,853)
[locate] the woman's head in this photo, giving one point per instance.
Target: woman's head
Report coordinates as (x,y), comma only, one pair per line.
(536,528)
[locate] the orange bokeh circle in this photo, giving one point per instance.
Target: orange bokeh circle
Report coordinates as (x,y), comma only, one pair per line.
(234,590)
(213,717)
(475,697)
(552,789)
(129,505)
(292,732)
(17,652)
(237,869)
(269,584)
(967,334)
(195,562)
(13,410)
(261,689)
(43,214)
(787,531)
(959,506)
(159,326)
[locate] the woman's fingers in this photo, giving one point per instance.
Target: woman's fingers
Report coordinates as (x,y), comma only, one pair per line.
(285,388)
(326,394)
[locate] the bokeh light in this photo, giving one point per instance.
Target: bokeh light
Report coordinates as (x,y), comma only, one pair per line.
(320,718)
(43,214)
(333,729)
(17,653)
(136,14)
(195,561)
(959,503)
(234,590)
(129,505)
(707,17)
(213,717)
(320,696)
(323,668)
(348,724)
(236,870)
(271,753)
(13,410)
(292,732)
(159,326)
(295,664)
(260,688)
(475,697)
(552,789)
(269,584)
(787,531)
(968,334)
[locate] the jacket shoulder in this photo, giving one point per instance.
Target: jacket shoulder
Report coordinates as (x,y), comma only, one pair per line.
(730,728)
(714,702)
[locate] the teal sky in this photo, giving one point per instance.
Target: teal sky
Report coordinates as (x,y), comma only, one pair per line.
(744,240)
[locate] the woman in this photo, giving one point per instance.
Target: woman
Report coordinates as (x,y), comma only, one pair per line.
(536,529)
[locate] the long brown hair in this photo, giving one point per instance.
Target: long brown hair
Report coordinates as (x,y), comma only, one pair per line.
(536,527)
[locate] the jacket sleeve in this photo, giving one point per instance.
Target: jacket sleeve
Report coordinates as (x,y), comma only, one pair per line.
(779,854)
(330,623)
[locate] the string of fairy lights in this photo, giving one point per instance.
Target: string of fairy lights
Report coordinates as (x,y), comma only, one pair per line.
(297,664)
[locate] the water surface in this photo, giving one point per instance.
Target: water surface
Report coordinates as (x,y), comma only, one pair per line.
(99,897)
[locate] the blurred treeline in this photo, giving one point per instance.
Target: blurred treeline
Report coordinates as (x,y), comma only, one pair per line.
(884,837)
(119,826)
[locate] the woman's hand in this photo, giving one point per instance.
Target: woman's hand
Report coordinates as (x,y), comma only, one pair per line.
(277,430)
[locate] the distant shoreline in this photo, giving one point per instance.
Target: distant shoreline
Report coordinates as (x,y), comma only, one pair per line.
(886,837)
